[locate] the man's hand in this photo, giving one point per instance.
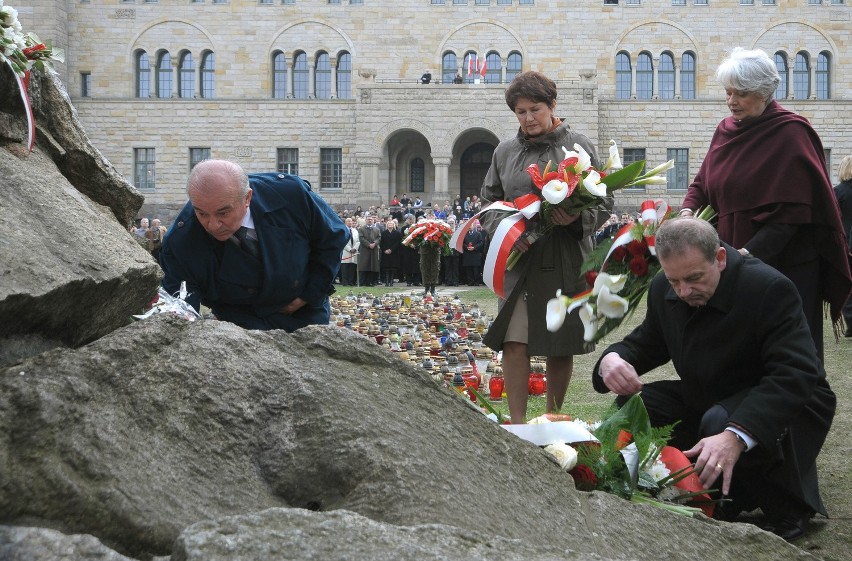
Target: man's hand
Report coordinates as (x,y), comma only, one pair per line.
(619,375)
(716,455)
(294,305)
(562,218)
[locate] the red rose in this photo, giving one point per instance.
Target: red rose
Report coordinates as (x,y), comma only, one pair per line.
(619,253)
(639,266)
(590,277)
(636,248)
(584,478)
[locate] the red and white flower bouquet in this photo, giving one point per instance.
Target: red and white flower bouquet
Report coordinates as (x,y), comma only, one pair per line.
(436,233)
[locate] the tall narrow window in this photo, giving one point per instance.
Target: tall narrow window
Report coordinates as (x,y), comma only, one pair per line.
(802,77)
(633,155)
(644,76)
(279,75)
(143,169)
(493,68)
(164,75)
(417,176)
(322,76)
(448,68)
(623,76)
(514,66)
(85,84)
(198,155)
(186,75)
(781,66)
(687,76)
(288,160)
(823,76)
(344,75)
(143,75)
(300,76)
(666,76)
(208,74)
(331,168)
(678,177)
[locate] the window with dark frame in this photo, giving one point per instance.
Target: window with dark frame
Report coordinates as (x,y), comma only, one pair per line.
(331,168)
(198,155)
(417,176)
(144,175)
(344,75)
(288,160)
(633,155)
(85,84)
(677,178)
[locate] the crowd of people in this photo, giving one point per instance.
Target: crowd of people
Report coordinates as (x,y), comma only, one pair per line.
(375,254)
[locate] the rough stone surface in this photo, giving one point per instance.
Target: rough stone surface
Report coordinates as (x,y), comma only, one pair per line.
(42,544)
(60,134)
(166,423)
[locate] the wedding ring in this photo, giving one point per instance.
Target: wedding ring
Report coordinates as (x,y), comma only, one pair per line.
(718,466)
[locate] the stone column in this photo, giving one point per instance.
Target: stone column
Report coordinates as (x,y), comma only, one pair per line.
(369,194)
(333,62)
(312,92)
(655,81)
(442,177)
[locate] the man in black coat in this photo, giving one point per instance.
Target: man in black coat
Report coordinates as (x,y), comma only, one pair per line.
(752,398)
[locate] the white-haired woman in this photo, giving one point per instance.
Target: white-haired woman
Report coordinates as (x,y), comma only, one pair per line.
(765,174)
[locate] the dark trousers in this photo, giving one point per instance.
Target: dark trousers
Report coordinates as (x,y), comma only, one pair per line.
(348,272)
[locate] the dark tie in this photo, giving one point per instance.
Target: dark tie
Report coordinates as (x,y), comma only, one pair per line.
(247,238)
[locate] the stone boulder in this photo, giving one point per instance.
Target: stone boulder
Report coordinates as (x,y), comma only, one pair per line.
(145,436)
(69,270)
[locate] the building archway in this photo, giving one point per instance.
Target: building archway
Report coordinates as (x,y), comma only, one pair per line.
(407,166)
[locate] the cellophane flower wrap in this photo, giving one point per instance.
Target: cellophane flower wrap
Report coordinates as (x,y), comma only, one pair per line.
(435,233)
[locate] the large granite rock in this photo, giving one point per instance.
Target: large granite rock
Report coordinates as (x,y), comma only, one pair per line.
(69,270)
(163,424)
(41,544)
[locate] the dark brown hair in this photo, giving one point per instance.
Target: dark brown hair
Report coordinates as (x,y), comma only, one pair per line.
(531,85)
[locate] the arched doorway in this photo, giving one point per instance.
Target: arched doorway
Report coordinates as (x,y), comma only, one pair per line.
(474,164)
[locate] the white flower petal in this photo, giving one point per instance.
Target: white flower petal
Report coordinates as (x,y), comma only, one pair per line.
(585,160)
(614,161)
(613,282)
(590,321)
(555,191)
(556,312)
(565,455)
(611,305)
(592,183)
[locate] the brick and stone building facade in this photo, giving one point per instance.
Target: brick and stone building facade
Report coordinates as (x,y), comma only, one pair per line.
(331,89)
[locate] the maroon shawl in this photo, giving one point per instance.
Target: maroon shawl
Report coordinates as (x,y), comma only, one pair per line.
(771,169)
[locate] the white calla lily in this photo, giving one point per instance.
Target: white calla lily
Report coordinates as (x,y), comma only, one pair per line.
(653,180)
(592,183)
(611,305)
(584,161)
(613,283)
(659,169)
(614,160)
(555,191)
(590,321)
(557,309)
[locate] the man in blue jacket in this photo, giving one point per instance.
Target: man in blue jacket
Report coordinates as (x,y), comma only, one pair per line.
(260,250)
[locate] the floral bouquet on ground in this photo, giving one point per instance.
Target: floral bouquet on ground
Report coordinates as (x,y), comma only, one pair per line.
(435,233)
(631,459)
(575,185)
(619,272)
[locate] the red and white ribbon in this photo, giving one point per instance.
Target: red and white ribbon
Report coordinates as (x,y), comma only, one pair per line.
(653,214)
(23,83)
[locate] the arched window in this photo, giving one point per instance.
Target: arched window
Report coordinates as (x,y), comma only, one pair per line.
(279,75)
(417,176)
(300,76)
(164,75)
(470,67)
(783,73)
(644,76)
(687,76)
(143,75)
(208,73)
(344,75)
(493,68)
(514,66)
(802,77)
(623,76)
(186,75)
(823,76)
(448,68)
(322,76)
(666,76)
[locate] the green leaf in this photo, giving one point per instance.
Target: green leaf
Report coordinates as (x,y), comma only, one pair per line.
(622,177)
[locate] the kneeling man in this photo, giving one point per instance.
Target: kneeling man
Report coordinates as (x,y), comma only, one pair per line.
(752,398)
